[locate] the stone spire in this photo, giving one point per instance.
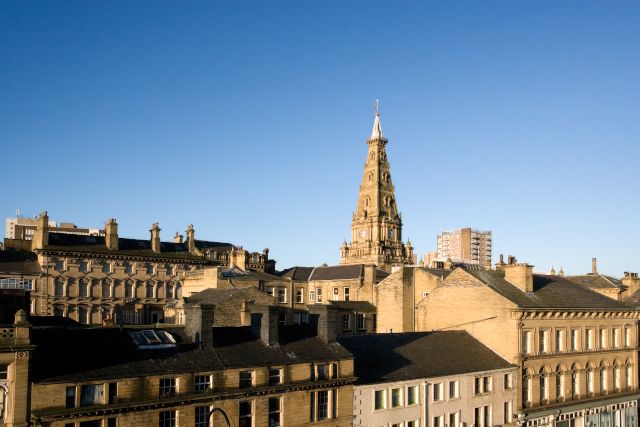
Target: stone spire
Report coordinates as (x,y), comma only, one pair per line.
(376,227)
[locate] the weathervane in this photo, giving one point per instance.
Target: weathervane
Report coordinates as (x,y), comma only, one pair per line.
(376,105)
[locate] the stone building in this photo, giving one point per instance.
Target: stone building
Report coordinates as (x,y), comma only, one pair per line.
(93,279)
(264,373)
(577,350)
(376,225)
(15,354)
(430,379)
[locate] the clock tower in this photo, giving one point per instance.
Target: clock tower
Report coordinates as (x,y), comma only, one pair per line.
(376,226)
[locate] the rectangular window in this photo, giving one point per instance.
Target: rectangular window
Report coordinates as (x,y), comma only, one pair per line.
(508,410)
(380,400)
(282,295)
(560,344)
(312,296)
(246,379)
(412,395)
(322,372)
(360,322)
(275,376)
(245,413)
(322,412)
(526,342)
(589,339)
(202,416)
(454,389)
(319,295)
(111,422)
(454,419)
(106,267)
(168,419)
(508,381)
(92,394)
(271,291)
(167,387)
(482,385)
(543,337)
(438,421)
(615,339)
(336,294)
(602,339)
(82,266)
(412,423)
(396,397)
(83,315)
(70,401)
(127,268)
(346,322)
(169,271)
(59,266)
(299,295)
(113,393)
(627,336)
(202,383)
(275,419)
(438,392)
(149,268)
(346,294)
(574,340)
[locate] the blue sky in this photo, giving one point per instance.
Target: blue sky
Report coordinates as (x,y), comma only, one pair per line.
(249,120)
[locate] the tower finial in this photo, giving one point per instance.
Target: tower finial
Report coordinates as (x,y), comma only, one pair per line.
(376,133)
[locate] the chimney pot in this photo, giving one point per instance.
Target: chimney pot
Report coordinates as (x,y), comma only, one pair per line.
(520,275)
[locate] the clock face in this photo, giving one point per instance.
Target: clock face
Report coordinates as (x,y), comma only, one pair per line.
(392,234)
(363,234)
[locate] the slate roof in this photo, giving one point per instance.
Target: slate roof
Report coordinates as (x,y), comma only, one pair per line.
(407,356)
(19,263)
(86,354)
(297,273)
(219,296)
(359,306)
(596,281)
(548,292)
(440,272)
(126,246)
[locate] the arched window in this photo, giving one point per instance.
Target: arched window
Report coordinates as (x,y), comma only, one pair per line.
(629,375)
(526,388)
(575,380)
(590,380)
(617,380)
(128,289)
(170,290)
(603,377)
(178,290)
(58,288)
(559,382)
(544,385)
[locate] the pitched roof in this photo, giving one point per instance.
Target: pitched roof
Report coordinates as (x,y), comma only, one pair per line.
(440,272)
(359,306)
(413,355)
(218,296)
(19,263)
(297,273)
(126,246)
(85,354)
(548,292)
(596,281)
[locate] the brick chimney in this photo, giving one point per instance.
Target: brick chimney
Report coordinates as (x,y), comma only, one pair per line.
(198,323)
(178,238)
(155,238)
(369,274)
(111,234)
(594,266)
(520,275)
(632,282)
(245,313)
(264,323)
(238,258)
(41,236)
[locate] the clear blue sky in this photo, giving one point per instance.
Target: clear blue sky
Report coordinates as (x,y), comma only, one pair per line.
(248,119)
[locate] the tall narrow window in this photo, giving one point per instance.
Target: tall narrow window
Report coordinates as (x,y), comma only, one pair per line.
(574,384)
(70,401)
(544,387)
(543,344)
(560,341)
(627,336)
(360,322)
(574,340)
(617,383)
(590,380)
(380,400)
(299,295)
(275,419)
(629,375)
(526,342)
(202,416)
(245,413)
(602,342)
(508,412)
(346,294)
(589,339)
(346,322)
(559,384)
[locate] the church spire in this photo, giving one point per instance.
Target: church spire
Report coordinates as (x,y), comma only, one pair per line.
(376,133)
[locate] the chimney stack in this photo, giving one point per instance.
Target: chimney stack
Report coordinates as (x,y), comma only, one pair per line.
(245,313)
(594,266)
(191,241)
(520,275)
(41,236)
(323,317)
(264,323)
(111,231)
(155,238)
(632,282)
(198,323)
(178,238)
